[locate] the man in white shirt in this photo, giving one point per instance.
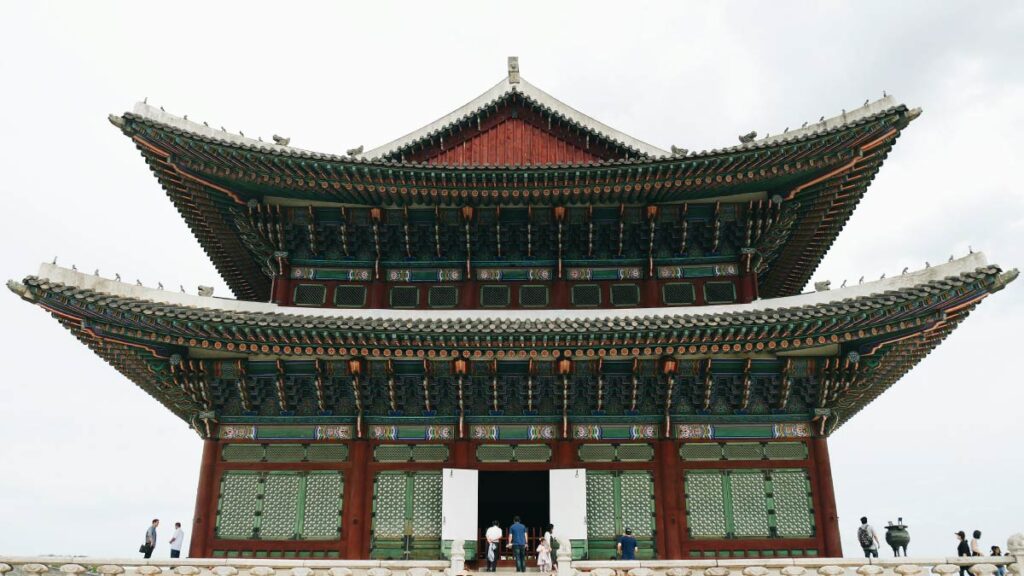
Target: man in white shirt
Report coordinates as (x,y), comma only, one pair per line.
(493,536)
(176,540)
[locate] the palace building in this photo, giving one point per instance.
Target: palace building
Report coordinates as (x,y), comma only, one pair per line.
(516,309)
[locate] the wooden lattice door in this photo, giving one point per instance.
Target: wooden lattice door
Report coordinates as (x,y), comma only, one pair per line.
(406,515)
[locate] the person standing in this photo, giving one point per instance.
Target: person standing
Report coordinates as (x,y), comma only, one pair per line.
(962,549)
(549,537)
(1000,569)
(976,544)
(868,538)
(147,548)
(493,536)
(176,540)
(627,546)
(517,540)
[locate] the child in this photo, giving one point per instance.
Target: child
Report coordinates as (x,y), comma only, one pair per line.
(544,556)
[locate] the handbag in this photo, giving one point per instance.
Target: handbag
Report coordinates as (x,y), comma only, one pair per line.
(144,549)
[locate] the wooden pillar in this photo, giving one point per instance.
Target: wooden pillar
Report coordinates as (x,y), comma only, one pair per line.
(826,498)
(669,506)
(565,454)
(356,516)
(461,454)
(204,516)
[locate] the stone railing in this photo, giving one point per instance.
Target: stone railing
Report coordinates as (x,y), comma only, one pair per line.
(1013,565)
(86,566)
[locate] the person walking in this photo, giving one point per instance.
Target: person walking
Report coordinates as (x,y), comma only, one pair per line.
(549,536)
(176,540)
(544,553)
(517,540)
(868,538)
(627,546)
(493,536)
(147,548)
(963,549)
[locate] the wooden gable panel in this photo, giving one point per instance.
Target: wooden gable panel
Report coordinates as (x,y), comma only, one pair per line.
(512,141)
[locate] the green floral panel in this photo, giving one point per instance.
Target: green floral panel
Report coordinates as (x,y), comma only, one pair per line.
(600,505)
(749,504)
(323,505)
(705,505)
(389,505)
(637,491)
(426,515)
(794,517)
(280,506)
(236,511)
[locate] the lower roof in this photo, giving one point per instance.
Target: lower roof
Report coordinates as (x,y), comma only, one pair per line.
(876,330)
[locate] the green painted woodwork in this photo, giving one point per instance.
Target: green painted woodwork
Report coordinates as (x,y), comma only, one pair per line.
(312,554)
(392,453)
(617,500)
(280,505)
(513,453)
(406,515)
(615,452)
(749,504)
(703,451)
(284,452)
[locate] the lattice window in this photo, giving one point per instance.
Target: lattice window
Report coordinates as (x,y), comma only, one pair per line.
(785,451)
(429,453)
(705,505)
(494,296)
(426,515)
(533,296)
(494,453)
(586,295)
(600,505)
(346,296)
(791,494)
(635,452)
(236,510)
(389,504)
(597,453)
(242,453)
(322,513)
(625,295)
(750,515)
(742,451)
(279,515)
(532,453)
(392,453)
(678,294)
(700,451)
(637,507)
(309,295)
(327,453)
(443,296)
(719,292)
(285,453)
(404,296)
(749,504)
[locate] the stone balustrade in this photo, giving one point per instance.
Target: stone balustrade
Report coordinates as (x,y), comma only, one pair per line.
(87,566)
(938,566)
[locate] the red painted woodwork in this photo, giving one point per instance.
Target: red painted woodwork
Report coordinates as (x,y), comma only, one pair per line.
(513,141)
(356,513)
(826,498)
(203,522)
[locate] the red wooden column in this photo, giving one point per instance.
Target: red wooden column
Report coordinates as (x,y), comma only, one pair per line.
(204,516)
(668,473)
(826,498)
(356,516)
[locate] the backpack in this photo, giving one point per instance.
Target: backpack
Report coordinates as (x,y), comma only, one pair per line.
(864,537)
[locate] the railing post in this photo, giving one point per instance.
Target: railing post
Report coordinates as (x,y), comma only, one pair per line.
(1015,546)
(458,555)
(565,556)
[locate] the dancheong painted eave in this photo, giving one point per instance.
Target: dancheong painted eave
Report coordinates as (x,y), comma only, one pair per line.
(859,339)
(820,172)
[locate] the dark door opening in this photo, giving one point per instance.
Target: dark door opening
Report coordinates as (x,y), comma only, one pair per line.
(504,495)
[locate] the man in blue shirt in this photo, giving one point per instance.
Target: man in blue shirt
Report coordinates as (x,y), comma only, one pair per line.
(517,540)
(627,546)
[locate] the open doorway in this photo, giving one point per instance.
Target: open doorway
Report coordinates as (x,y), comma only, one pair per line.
(504,495)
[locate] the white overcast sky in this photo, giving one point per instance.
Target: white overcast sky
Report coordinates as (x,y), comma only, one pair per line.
(86,458)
